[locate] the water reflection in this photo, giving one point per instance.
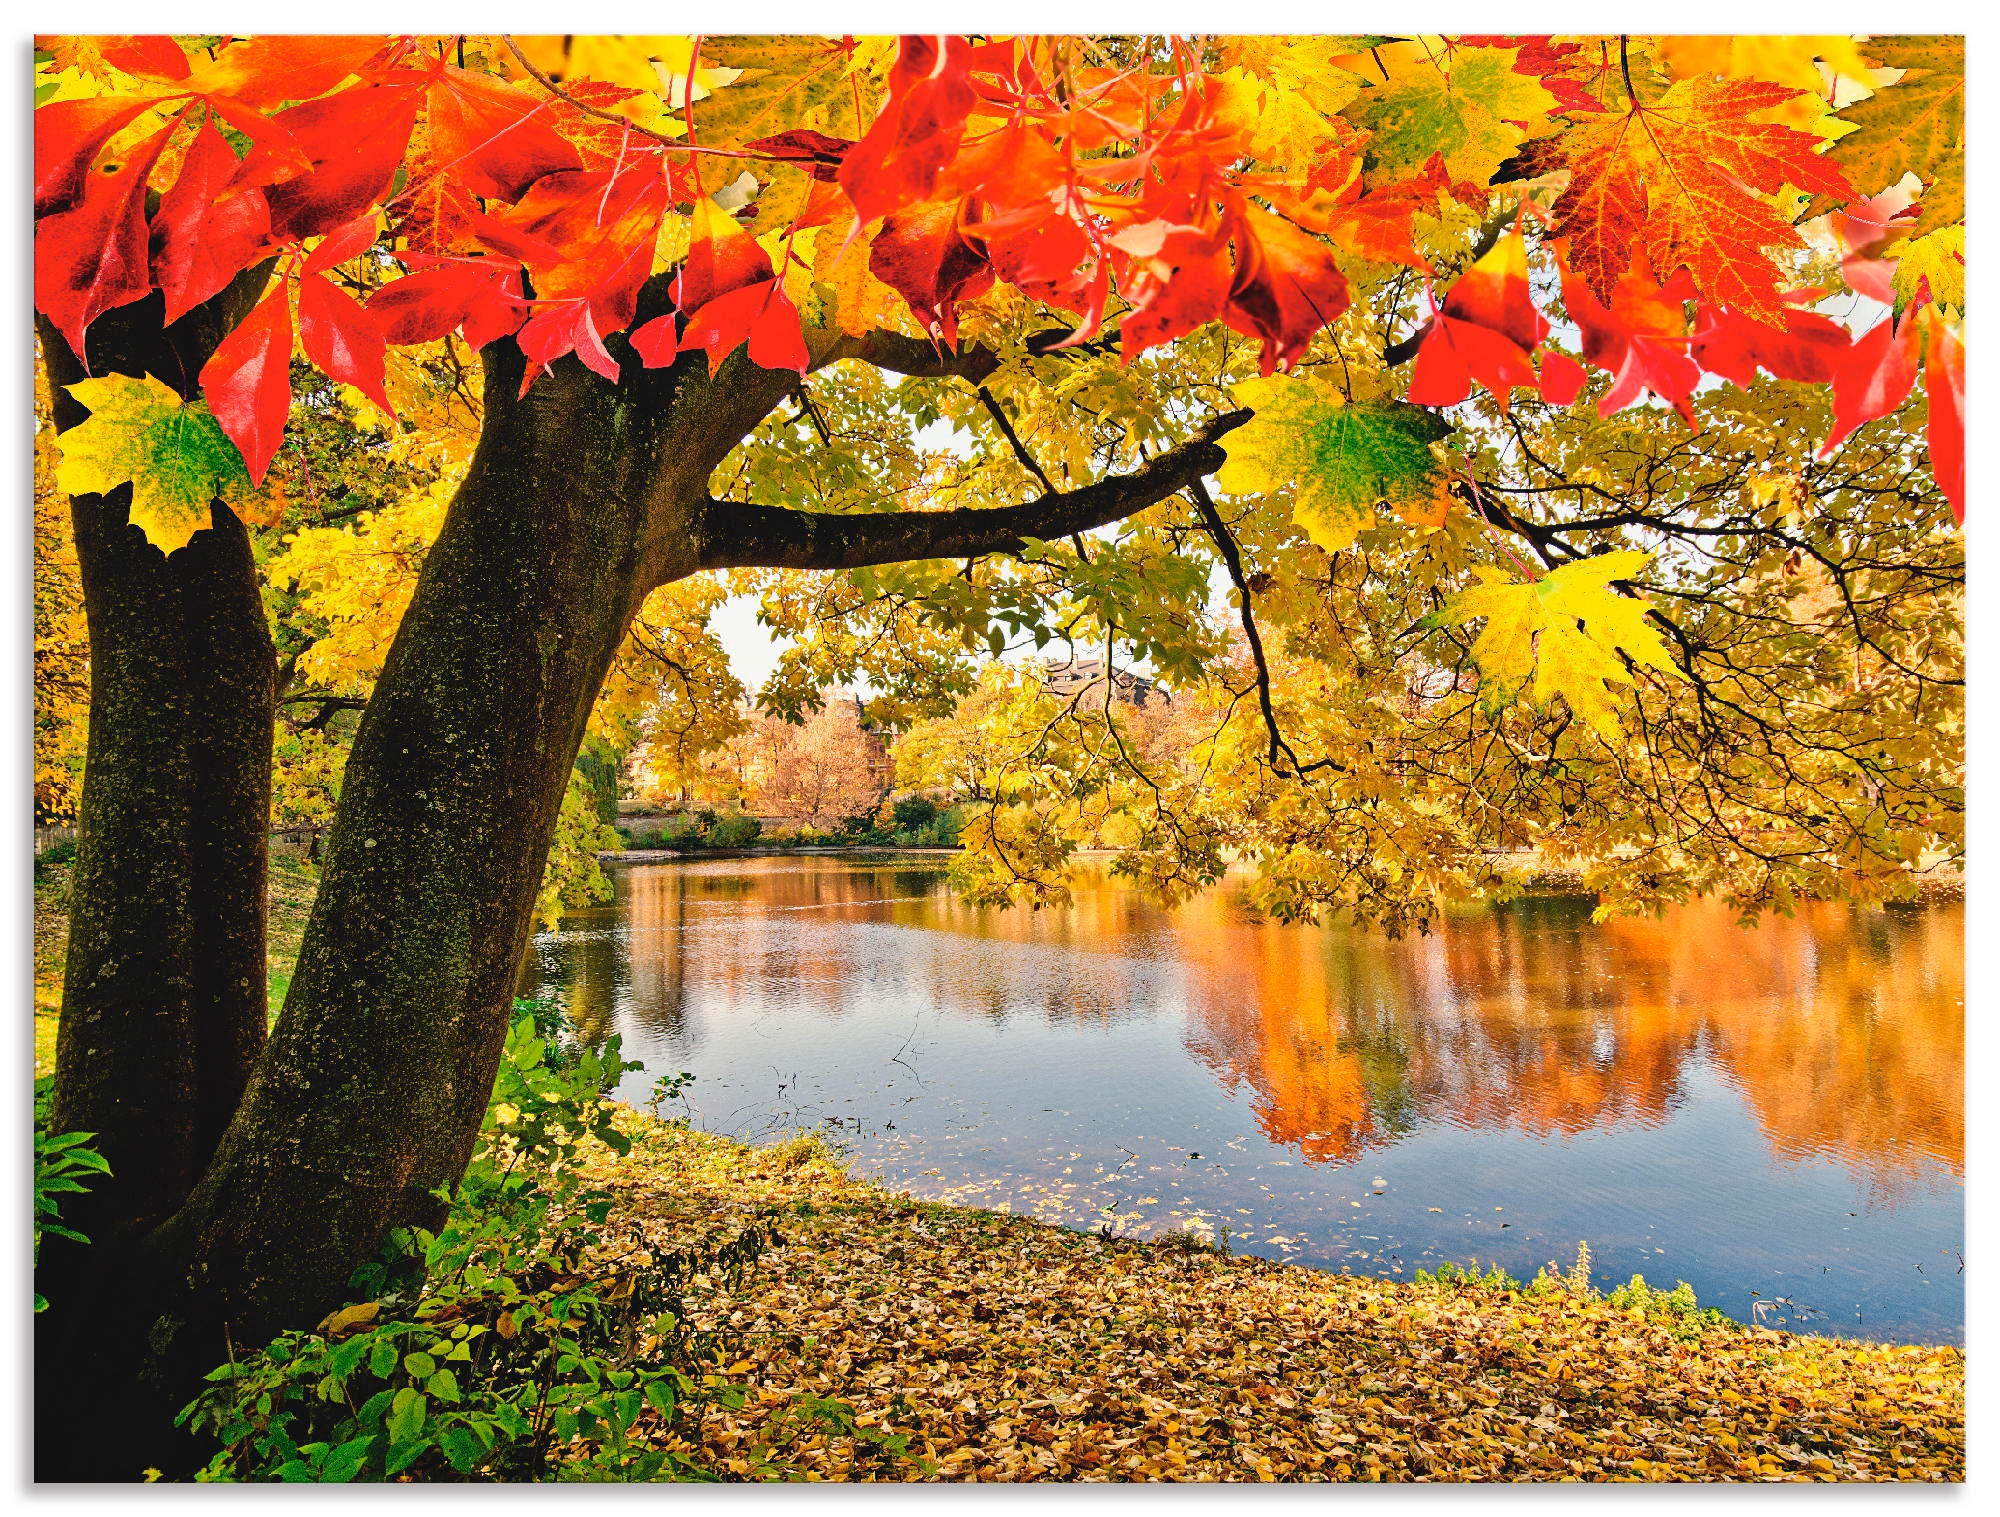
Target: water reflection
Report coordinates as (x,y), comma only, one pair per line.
(1843,1029)
(1566,1053)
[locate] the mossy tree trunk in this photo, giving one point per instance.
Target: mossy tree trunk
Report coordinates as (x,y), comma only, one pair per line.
(163,1011)
(369,1097)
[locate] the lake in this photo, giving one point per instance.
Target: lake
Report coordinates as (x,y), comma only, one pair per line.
(1774,1115)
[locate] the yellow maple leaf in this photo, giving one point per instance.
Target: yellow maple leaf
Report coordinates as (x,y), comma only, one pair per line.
(1445,98)
(840,261)
(1937,258)
(172,453)
(1565,629)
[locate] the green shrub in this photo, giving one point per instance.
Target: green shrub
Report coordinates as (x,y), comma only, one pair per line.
(1676,1308)
(911,812)
(522,1340)
(62,1160)
(737,830)
(1463,1277)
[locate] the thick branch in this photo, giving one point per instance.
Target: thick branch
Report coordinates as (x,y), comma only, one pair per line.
(916,356)
(740,536)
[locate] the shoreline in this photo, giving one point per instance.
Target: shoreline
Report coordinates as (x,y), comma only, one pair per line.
(1006,1348)
(1932,885)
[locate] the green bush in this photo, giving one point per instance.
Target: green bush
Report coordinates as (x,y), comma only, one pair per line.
(1461,1277)
(522,1340)
(62,1160)
(737,830)
(912,812)
(1676,1308)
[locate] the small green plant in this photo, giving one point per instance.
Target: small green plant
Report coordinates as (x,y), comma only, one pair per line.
(526,1338)
(1677,1309)
(61,851)
(808,1415)
(668,1088)
(806,1146)
(1468,1277)
(62,1161)
(1185,1240)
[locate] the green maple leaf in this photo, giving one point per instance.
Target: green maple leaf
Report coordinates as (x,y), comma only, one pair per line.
(1461,102)
(171,451)
(1565,629)
(1340,459)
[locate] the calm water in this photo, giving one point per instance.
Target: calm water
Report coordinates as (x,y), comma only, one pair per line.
(1775,1116)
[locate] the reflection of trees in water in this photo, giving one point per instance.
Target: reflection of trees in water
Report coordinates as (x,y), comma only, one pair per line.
(775,946)
(1842,1028)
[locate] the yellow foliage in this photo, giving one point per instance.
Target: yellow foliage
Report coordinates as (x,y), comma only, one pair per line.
(62,641)
(1566,629)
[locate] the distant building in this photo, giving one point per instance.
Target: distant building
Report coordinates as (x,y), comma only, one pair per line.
(1077,675)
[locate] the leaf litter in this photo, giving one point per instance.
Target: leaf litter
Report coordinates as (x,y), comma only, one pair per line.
(979,1345)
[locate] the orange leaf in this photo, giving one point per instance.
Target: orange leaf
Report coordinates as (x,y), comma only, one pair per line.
(1683,179)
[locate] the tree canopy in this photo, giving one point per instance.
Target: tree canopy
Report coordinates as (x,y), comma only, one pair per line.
(1496,305)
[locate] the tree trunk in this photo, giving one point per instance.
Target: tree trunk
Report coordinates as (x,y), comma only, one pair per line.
(370,1095)
(163,994)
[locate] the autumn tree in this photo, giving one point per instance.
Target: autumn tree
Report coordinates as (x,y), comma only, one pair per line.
(820,772)
(724,295)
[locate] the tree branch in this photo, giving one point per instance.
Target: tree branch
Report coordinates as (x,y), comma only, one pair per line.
(738,536)
(916,356)
(1232,560)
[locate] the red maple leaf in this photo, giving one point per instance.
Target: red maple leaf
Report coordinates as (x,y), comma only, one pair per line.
(93,256)
(497,139)
(1485,331)
(202,235)
(69,134)
(482,295)
(924,254)
(1944,390)
(1287,285)
(248,382)
(1640,338)
(1874,378)
(355,141)
(342,337)
(917,131)
(757,314)
(1808,347)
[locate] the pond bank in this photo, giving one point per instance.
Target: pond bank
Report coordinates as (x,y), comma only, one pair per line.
(666,855)
(1006,1349)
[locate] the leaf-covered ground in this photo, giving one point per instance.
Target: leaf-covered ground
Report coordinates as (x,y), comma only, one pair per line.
(1004,1349)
